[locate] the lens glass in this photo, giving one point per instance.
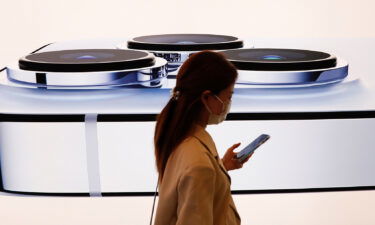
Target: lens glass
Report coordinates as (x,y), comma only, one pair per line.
(87,56)
(272,57)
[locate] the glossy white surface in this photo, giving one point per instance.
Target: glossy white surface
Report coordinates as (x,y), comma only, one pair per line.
(51,157)
(39,155)
(355,93)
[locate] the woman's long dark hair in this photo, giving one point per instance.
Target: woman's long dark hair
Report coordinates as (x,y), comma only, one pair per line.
(206,70)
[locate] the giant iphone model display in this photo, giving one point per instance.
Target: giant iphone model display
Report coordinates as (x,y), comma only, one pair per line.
(90,133)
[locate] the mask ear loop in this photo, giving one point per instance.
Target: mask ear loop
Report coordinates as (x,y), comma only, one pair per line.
(208,109)
(222,103)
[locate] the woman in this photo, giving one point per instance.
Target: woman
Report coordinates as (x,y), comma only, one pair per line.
(194,185)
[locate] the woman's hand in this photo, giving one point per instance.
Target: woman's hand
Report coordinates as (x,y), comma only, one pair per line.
(229,160)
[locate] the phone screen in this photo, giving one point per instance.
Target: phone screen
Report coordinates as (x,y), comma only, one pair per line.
(252,146)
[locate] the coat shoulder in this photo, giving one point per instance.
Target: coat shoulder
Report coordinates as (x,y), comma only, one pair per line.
(191,152)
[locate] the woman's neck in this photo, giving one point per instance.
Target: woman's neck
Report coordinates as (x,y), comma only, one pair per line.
(203,119)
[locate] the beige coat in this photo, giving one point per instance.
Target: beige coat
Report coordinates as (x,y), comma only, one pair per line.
(196,186)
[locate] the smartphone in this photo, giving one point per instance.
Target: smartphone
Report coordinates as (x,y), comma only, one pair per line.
(252,146)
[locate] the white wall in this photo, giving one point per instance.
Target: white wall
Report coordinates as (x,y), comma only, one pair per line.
(28,24)
(327,208)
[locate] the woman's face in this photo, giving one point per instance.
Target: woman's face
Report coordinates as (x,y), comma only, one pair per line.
(225,96)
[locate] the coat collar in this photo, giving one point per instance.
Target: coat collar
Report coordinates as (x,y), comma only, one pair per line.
(206,139)
(201,133)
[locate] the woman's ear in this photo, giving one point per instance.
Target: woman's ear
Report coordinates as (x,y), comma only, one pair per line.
(205,94)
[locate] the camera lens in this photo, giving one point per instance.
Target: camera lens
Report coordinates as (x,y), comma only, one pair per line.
(86,60)
(279,59)
(184,42)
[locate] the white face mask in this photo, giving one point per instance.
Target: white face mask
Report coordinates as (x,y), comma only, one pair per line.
(216,119)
